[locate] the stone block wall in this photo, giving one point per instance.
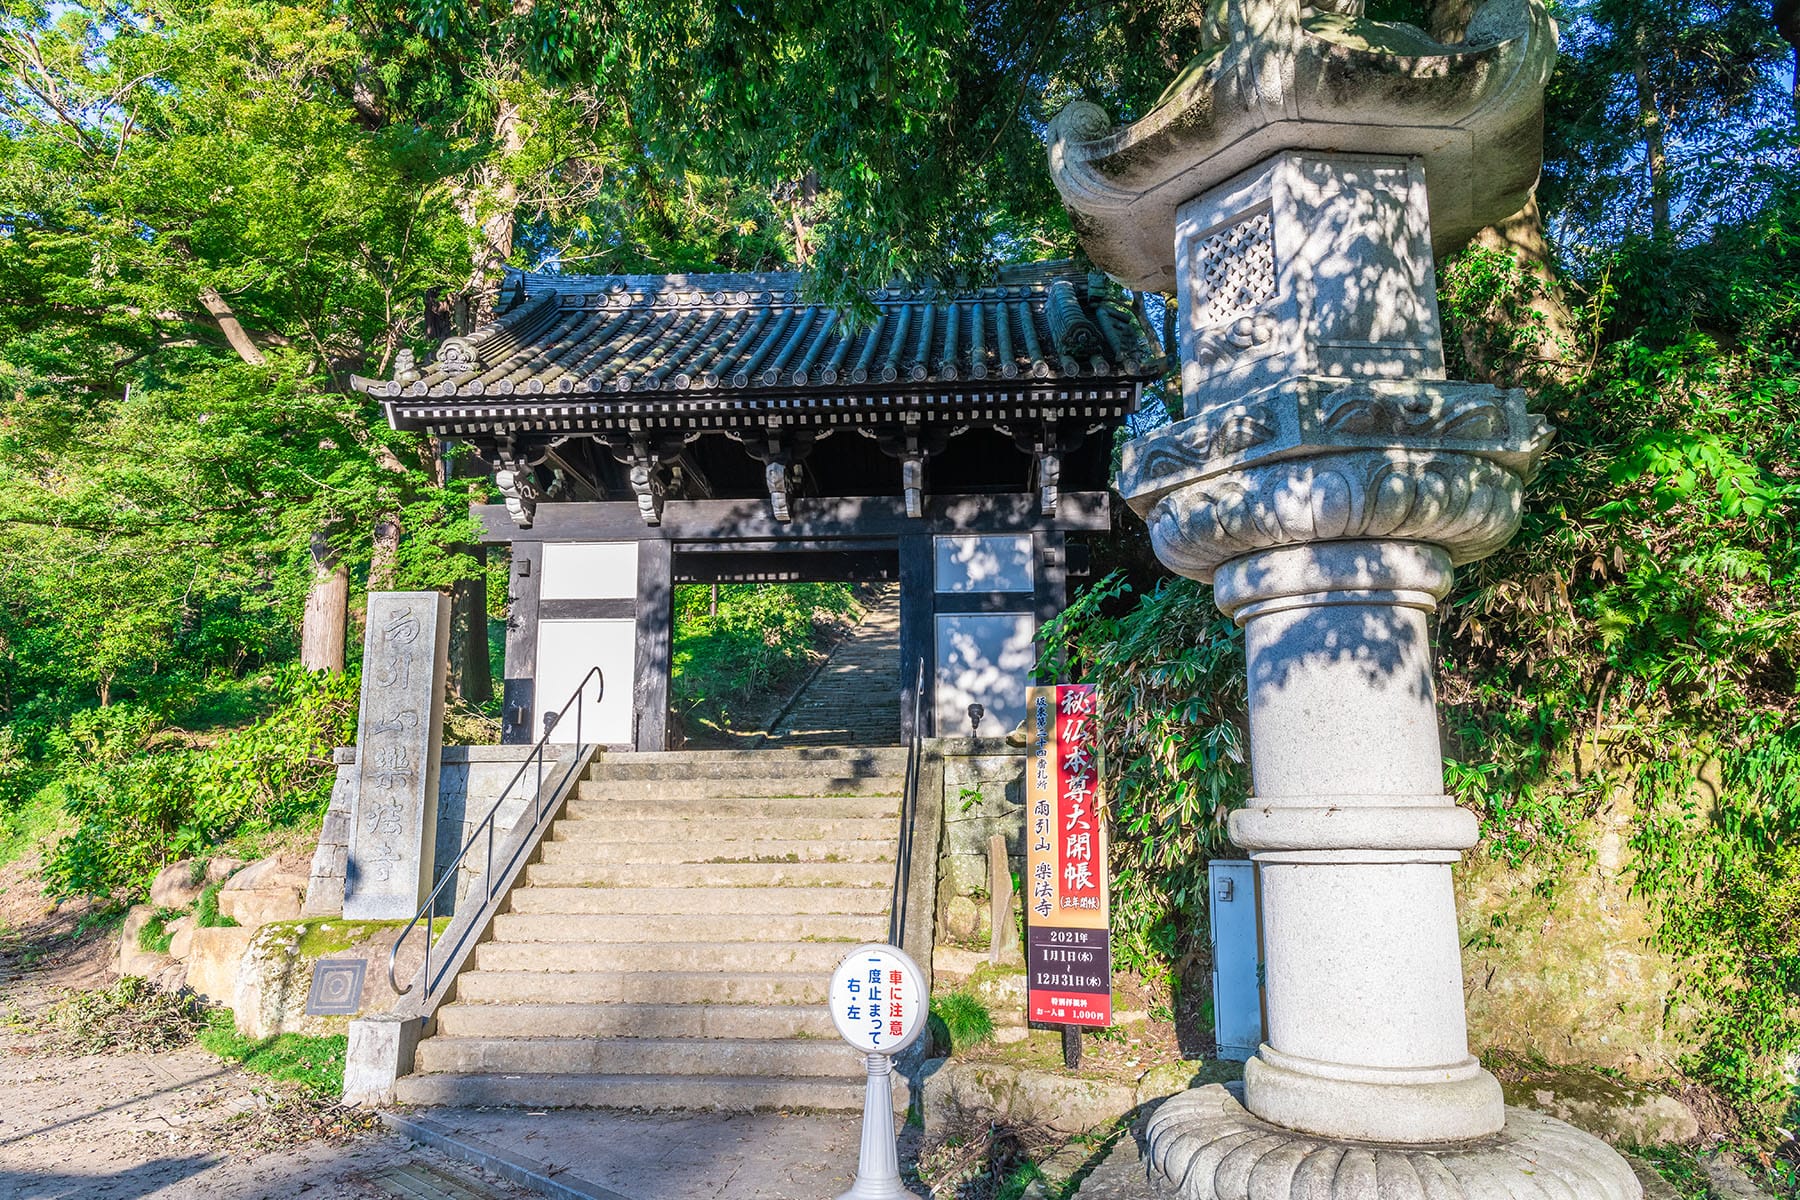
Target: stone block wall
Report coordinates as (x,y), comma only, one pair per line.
(984,794)
(1558,963)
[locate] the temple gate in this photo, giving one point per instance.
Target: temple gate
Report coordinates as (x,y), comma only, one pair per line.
(654,430)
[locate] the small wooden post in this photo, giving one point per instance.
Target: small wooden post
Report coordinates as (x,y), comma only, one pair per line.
(1003,945)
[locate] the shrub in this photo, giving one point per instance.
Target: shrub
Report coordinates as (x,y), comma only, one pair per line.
(136,807)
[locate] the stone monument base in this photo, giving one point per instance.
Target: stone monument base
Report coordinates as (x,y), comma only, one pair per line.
(1204,1145)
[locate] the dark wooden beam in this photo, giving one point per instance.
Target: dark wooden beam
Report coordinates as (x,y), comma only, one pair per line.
(1051,549)
(518,686)
(655,629)
(623,609)
(813,519)
(986,602)
(774,564)
(918,560)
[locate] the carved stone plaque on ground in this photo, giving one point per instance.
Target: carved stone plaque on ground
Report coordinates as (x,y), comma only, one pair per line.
(398,736)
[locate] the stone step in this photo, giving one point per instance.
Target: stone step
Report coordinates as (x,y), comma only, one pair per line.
(654,986)
(714,829)
(804,1057)
(729,1093)
(731,764)
(679,901)
(818,808)
(743,787)
(695,850)
(768,1021)
(604,928)
(770,876)
(822,957)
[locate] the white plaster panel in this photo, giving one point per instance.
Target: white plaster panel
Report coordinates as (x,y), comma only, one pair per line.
(984,564)
(986,659)
(588,571)
(566,650)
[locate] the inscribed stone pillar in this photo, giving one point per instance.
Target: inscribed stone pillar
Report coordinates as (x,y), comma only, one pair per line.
(399,734)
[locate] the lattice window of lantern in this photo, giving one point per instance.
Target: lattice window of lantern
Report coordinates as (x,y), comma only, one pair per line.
(1233,270)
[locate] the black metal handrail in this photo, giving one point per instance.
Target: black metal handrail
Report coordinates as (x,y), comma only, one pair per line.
(552,720)
(909,804)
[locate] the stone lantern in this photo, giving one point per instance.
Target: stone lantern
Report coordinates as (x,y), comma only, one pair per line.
(1292,187)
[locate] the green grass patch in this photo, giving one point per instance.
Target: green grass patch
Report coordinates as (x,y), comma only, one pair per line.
(206,909)
(960,1020)
(33,824)
(154,937)
(315,1063)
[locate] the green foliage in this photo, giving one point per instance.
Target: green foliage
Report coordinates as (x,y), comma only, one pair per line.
(1679,1169)
(762,637)
(961,1019)
(1170,674)
(138,805)
(1639,639)
(315,1063)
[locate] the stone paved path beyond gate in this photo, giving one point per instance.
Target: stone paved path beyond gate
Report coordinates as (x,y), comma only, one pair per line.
(853,699)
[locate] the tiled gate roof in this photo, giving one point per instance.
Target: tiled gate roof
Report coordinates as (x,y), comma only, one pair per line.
(754,336)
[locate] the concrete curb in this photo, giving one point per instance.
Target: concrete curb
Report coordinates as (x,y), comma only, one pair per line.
(514,1167)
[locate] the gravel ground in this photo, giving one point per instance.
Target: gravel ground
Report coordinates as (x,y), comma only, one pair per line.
(167,1125)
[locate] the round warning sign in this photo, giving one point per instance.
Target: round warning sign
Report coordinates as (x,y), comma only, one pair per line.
(878,999)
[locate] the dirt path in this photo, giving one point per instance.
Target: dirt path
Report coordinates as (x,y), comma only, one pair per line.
(175,1124)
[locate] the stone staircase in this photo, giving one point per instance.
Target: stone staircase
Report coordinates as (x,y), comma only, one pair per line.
(671,945)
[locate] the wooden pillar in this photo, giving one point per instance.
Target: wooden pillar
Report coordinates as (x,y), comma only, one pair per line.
(1051,591)
(655,630)
(518,712)
(470,675)
(918,558)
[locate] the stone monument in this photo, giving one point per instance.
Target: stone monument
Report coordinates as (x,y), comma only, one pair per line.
(1292,186)
(399,734)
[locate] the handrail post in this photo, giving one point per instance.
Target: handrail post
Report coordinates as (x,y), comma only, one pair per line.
(909,802)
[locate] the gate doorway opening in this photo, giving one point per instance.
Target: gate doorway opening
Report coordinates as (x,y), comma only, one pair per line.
(775,649)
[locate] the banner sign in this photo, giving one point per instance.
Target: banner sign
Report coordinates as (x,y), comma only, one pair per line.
(1068,945)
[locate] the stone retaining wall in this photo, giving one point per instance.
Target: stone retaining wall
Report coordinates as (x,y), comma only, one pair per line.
(1557,966)
(984,794)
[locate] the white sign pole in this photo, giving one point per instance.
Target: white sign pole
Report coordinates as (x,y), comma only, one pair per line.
(878,1163)
(878,1003)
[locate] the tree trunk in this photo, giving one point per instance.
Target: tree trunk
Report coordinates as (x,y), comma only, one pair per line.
(228,325)
(1650,121)
(1787,24)
(323,628)
(471,671)
(1522,236)
(493,186)
(384,561)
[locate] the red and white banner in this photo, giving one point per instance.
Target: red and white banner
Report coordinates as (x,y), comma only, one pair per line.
(1068,949)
